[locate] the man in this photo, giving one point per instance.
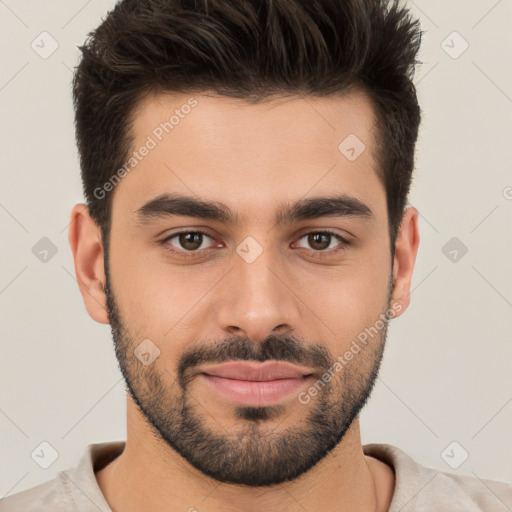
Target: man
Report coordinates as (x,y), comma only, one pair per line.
(246,166)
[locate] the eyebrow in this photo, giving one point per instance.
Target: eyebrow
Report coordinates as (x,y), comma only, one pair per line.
(167,205)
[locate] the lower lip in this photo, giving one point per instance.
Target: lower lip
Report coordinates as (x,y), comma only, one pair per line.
(257,393)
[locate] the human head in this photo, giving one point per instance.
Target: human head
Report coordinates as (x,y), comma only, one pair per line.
(252,142)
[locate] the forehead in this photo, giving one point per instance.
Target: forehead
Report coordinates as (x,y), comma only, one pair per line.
(251,155)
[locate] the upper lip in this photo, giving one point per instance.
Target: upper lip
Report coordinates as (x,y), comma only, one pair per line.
(269,370)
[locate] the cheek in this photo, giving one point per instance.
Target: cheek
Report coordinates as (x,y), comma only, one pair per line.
(158,300)
(136,286)
(350,298)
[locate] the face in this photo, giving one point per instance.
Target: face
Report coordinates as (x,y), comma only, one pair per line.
(290,263)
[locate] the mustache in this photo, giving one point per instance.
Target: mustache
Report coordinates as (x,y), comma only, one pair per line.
(239,348)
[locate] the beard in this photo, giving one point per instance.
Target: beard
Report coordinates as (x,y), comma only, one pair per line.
(253,453)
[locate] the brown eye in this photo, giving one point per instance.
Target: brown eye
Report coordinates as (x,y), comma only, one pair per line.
(186,242)
(190,241)
(320,241)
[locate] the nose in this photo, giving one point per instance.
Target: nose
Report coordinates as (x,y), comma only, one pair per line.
(257,299)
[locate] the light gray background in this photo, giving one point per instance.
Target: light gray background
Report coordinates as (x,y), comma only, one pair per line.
(446,374)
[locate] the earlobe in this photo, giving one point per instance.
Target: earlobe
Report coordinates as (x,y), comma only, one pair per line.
(406,249)
(84,237)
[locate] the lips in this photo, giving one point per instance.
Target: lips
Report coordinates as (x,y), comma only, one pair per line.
(252,371)
(256,384)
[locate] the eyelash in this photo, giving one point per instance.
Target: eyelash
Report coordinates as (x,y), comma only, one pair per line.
(195,254)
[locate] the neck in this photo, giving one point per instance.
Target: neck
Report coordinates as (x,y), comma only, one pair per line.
(149,475)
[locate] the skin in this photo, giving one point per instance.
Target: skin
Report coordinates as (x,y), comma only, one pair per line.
(253,158)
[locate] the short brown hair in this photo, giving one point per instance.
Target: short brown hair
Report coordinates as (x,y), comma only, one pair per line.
(250,49)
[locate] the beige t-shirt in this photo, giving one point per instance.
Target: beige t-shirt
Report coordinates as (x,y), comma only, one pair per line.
(417,488)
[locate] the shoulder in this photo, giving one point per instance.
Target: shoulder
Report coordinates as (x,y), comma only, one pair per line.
(421,488)
(73,489)
(49,495)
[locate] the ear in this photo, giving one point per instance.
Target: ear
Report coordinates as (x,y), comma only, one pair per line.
(86,245)
(406,248)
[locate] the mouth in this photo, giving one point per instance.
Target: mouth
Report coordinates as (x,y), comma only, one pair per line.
(256,384)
